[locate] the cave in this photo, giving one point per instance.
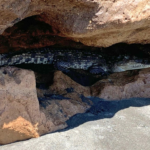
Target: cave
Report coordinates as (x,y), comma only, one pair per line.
(59,66)
(31,35)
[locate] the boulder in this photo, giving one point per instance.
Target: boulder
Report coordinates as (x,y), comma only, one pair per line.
(62,82)
(21,116)
(116,86)
(25,112)
(123,85)
(19,109)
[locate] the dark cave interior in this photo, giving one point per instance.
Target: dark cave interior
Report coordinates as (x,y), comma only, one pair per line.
(32,33)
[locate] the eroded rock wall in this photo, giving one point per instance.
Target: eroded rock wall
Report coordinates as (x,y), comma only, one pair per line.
(90,22)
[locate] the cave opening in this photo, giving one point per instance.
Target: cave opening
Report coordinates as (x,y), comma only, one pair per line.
(32,35)
(69,77)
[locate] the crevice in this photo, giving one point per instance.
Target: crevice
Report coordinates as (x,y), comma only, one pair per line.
(76,87)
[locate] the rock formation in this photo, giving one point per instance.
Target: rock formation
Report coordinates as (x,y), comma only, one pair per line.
(116,86)
(28,112)
(123,85)
(38,23)
(21,116)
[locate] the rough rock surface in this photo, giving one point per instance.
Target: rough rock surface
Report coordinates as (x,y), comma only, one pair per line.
(123,85)
(21,116)
(91,22)
(71,23)
(117,86)
(126,128)
(61,82)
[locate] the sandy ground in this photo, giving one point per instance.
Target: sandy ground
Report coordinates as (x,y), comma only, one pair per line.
(108,125)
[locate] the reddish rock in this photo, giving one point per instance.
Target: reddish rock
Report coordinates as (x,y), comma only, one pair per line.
(117,86)
(93,23)
(21,116)
(123,86)
(61,82)
(18,105)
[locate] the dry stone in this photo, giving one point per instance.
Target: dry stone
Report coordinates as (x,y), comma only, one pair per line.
(123,86)
(95,23)
(21,116)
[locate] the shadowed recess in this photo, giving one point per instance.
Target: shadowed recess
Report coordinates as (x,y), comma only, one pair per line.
(102,109)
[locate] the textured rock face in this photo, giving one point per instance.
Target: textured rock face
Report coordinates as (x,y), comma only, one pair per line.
(61,82)
(72,24)
(117,86)
(18,105)
(21,116)
(111,130)
(122,86)
(93,23)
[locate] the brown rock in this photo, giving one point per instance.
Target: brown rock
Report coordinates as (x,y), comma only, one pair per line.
(93,23)
(117,86)
(59,111)
(21,117)
(18,105)
(123,86)
(61,82)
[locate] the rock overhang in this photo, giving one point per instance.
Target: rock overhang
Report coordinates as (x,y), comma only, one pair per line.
(82,24)
(33,24)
